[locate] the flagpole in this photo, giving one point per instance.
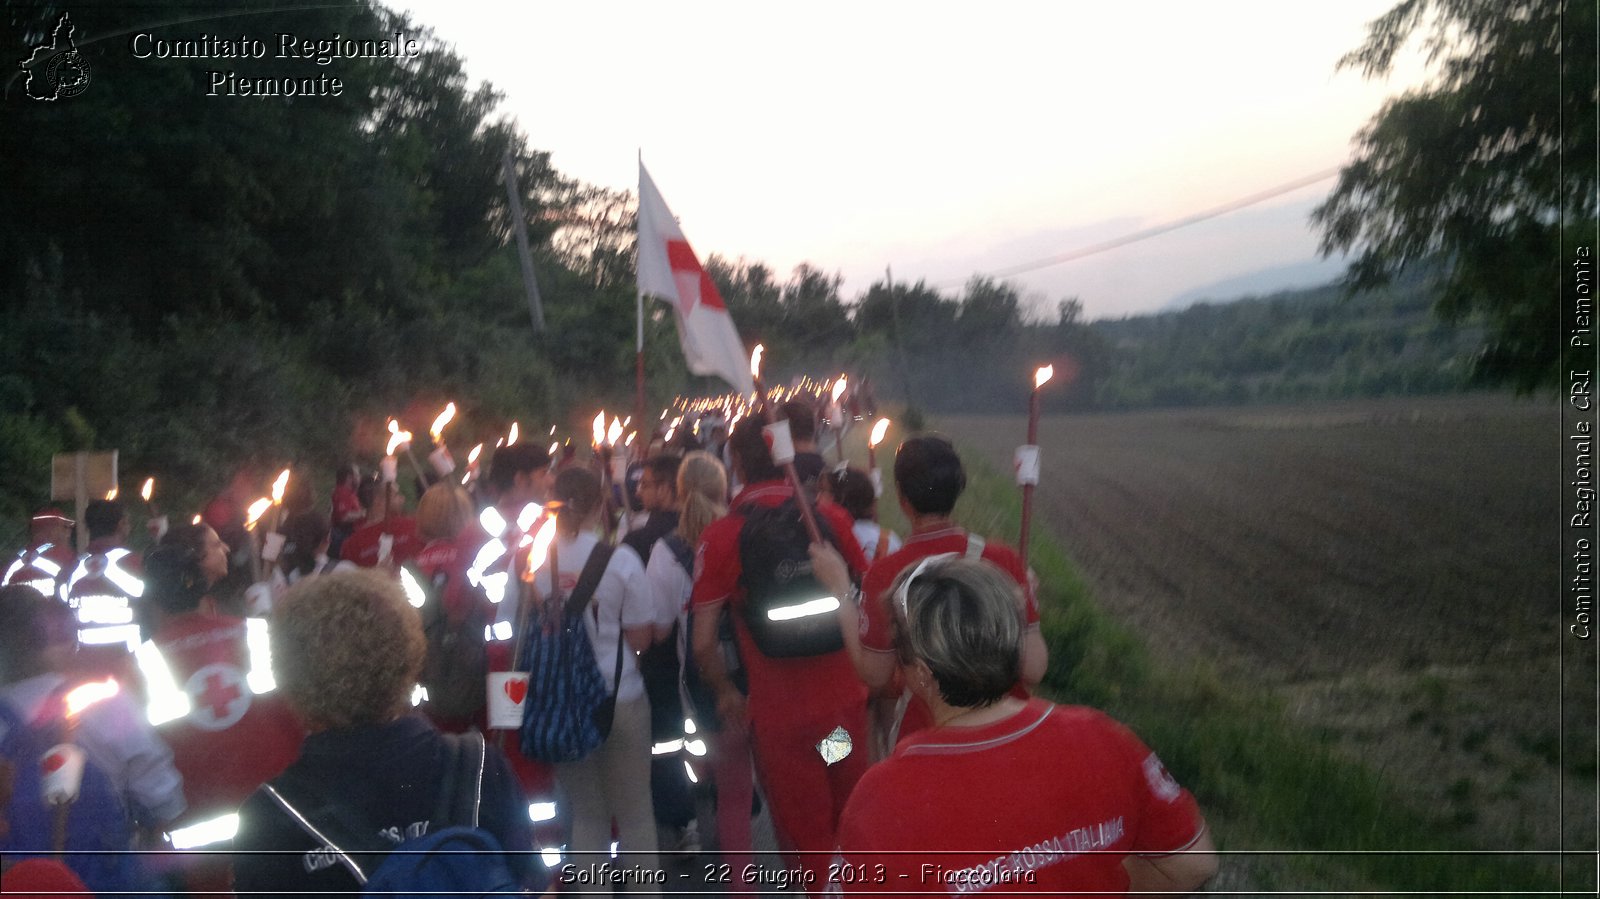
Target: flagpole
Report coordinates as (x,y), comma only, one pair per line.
(638,350)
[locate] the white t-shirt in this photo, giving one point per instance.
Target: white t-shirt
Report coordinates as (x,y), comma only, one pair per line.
(669,583)
(623,595)
(867,531)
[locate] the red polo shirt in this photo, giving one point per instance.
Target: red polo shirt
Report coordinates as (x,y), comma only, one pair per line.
(877,632)
(362,546)
(1046,801)
(799,687)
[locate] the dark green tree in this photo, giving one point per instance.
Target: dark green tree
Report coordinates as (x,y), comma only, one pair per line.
(1485,168)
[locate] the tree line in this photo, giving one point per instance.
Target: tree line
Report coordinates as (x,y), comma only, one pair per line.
(204,283)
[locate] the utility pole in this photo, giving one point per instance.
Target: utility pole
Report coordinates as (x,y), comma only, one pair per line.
(524,255)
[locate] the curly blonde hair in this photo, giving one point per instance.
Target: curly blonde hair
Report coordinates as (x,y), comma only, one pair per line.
(347,648)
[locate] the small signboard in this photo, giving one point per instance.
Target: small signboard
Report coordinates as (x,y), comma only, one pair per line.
(81,477)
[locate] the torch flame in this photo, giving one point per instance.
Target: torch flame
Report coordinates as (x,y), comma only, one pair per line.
(878,431)
(755,361)
(554,447)
(400,438)
(529,516)
(614,432)
(279,485)
(195,520)
(111,494)
(81,698)
(839,387)
(437,430)
(629,441)
(149,489)
(600,428)
(472,457)
(1042,375)
(511,435)
(256,510)
(541,544)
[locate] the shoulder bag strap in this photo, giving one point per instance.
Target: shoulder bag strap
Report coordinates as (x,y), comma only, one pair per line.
(974,547)
(589,579)
(593,570)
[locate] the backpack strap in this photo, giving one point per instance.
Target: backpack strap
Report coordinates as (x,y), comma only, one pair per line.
(589,580)
(682,551)
(974,547)
(461,791)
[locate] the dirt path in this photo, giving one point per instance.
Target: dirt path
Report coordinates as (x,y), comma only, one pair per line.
(1389,568)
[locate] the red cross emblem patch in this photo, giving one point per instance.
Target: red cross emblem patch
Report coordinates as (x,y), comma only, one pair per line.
(219,695)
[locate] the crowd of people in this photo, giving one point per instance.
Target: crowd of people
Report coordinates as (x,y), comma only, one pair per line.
(272,726)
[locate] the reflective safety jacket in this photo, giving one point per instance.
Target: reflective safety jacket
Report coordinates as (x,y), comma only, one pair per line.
(211,695)
(44,567)
(101,592)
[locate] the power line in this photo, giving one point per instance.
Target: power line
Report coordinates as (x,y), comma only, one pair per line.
(1135,237)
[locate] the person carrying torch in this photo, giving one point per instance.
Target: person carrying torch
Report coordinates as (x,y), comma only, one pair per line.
(805,711)
(85,772)
(929,479)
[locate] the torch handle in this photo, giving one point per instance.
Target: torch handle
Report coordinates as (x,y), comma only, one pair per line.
(58,829)
(806,516)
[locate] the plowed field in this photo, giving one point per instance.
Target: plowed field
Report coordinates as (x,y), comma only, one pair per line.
(1389,568)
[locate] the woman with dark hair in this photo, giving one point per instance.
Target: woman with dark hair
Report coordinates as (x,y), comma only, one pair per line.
(1086,806)
(209,688)
(853,489)
(613,782)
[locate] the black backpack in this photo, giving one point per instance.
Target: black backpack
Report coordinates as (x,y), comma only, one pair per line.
(785,607)
(457,664)
(454,857)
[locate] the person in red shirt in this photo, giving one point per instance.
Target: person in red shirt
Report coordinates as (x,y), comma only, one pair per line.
(209,689)
(929,478)
(348,512)
(48,561)
(803,712)
(1004,793)
(390,536)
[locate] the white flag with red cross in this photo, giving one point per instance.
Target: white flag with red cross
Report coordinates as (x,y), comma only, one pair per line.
(670,271)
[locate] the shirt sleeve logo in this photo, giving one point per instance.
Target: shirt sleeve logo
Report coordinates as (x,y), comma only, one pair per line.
(1161,783)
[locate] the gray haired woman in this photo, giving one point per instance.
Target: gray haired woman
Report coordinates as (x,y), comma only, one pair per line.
(1005,792)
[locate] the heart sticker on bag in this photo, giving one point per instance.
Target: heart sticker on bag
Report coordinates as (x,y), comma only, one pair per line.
(517,690)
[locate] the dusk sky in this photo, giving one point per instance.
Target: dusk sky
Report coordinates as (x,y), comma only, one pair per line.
(948,140)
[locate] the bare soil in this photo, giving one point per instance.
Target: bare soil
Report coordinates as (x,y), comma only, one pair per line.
(1388,568)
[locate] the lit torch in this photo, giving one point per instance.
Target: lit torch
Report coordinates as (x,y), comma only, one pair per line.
(836,414)
(61,767)
(541,545)
(878,430)
(397,439)
(1027,460)
(441,460)
(472,464)
(781,443)
(254,513)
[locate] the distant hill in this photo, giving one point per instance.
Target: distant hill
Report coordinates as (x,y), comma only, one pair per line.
(1299,276)
(1315,343)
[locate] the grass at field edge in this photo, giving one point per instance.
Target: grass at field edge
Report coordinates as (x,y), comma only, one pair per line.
(1322,821)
